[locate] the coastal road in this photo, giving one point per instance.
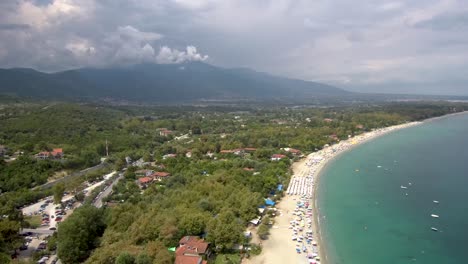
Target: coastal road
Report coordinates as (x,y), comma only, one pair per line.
(98,201)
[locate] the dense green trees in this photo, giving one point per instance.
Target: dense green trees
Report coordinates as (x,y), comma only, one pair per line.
(25,172)
(58,190)
(9,236)
(79,234)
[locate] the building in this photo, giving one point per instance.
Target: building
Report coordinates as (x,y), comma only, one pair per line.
(165,132)
(334,137)
(295,152)
(143,173)
(193,246)
(144,181)
(277,157)
(189,260)
(159,175)
(56,153)
(250,149)
(167,156)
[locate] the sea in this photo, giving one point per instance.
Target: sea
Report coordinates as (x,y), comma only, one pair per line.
(375,201)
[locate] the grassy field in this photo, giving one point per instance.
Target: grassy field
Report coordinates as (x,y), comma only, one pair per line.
(228,259)
(34,220)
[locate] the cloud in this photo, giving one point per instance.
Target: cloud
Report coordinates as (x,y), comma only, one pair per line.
(132,34)
(167,55)
(14,27)
(373,44)
(391,6)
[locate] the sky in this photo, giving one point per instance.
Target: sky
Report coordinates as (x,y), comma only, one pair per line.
(417,46)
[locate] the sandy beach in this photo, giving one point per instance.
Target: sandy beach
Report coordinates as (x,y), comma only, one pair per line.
(295,236)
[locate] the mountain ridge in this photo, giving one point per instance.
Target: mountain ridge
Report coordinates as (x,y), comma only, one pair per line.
(160,83)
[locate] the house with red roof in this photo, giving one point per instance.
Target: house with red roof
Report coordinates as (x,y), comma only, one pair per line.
(144,181)
(193,246)
(250,149)
(164,132)
(295,152)
(189,260)
(159,175)
(277,157)
(56,153)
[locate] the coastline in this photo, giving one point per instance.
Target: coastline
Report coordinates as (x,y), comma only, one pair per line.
(279,248)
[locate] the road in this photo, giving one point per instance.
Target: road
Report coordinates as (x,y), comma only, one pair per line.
(50,209)
(38,231)
(106,192)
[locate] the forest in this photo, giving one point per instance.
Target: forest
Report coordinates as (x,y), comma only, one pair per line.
(210,193)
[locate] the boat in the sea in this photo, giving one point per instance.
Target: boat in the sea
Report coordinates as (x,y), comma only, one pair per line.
(435,201)
(403,187)
(435,216)
(434,229)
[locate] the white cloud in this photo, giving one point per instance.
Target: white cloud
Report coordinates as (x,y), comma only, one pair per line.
(391,6)
(337,41)
(167,55)
(132,34)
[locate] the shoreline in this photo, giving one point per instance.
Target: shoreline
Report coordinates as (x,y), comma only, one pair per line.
(337,150)
(319,172)
(279,248)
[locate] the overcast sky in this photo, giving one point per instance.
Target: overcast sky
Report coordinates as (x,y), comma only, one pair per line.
(418,46)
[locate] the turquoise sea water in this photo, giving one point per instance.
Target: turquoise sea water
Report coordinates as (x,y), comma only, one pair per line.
(367,218)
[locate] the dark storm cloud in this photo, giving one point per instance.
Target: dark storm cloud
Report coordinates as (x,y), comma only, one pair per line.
(14,27)
(371,45)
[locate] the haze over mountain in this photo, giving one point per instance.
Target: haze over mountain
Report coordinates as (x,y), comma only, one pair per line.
(160,83)
(385,46)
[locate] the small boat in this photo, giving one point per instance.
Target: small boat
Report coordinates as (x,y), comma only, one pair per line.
(435,216)
(403,187)
(409,183)
(379,166)
(434,229)
(435,201)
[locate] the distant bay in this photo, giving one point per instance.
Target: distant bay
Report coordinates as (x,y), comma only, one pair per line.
(376,200)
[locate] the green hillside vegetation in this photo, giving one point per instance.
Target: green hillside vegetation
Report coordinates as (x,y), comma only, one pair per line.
(210,196)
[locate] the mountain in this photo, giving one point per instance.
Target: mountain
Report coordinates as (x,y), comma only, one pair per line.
(160,83)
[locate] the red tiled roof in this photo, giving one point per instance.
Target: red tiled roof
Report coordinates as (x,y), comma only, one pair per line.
(248,169)
(250,149)
(145,180)
(226,151)
(57,151)
(278,156)
(160,174)
(294,150)
(188,260)
(192,245)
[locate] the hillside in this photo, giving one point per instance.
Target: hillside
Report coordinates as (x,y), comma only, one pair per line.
(160,83)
